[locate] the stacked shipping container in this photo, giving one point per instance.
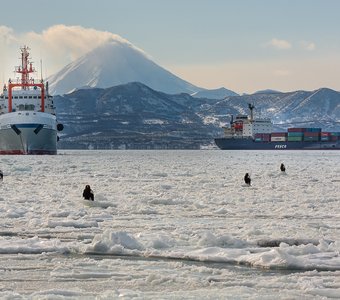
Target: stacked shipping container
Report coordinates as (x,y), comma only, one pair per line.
(335,136)
(295,136)
(262,137)
(298,135)
(325,136)
(278,137)
(330,136)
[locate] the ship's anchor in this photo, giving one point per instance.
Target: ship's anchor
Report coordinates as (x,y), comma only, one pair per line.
(39,127)
(16,129)
(18,132)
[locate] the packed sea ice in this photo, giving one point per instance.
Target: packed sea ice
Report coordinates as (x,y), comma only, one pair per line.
(170,225)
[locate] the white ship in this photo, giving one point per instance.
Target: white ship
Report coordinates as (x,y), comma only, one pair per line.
(28,124)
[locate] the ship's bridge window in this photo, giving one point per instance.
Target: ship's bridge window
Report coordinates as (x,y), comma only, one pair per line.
(35,97)
(20,97)
(26,107)
(29,97)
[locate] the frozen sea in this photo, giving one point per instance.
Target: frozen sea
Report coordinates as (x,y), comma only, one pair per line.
(170,225)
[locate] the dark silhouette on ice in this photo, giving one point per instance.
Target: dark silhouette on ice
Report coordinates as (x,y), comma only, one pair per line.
(247,179)
(88,193)
(283,168)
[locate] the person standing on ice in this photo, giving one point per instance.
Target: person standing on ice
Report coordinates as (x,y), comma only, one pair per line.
(88,193)
(247,179)
(1,176)
(283,168)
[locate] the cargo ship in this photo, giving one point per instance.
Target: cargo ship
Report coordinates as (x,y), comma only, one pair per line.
(28,124)
(247,133)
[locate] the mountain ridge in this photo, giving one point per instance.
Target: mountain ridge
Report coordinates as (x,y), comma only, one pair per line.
(134,116)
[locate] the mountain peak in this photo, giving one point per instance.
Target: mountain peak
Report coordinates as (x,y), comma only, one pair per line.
(115,62)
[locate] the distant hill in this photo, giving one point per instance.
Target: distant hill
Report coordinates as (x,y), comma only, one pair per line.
(134,116)
(131,116)
(268,91)
(220,93)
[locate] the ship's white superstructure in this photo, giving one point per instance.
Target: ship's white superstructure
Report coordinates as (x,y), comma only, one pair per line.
(28,124)
(247,127)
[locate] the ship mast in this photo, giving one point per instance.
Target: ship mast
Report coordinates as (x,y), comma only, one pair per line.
(251,107)
(25,69)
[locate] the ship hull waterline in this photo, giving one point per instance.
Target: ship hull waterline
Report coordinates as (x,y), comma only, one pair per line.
(27,141)
(250,144)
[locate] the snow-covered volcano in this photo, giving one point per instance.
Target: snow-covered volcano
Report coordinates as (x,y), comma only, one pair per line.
(116,62)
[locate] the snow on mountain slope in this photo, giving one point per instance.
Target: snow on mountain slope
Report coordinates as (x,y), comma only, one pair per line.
(220,93)
(116,62)
(140,117)
(319,108)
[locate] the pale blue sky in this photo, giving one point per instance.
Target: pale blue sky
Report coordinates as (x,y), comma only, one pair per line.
(244,45)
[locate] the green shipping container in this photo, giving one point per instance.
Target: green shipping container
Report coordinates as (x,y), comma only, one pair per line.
(294,138)
(295,134)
